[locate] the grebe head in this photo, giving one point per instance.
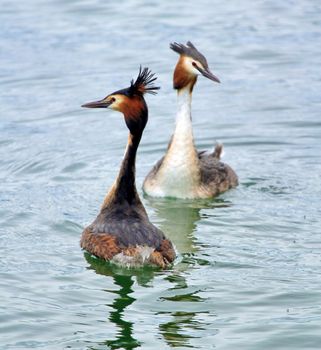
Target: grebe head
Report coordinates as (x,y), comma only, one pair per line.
(130,101)
(191,63)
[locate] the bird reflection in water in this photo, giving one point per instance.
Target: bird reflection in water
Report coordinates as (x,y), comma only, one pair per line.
(124,278)
(184,325)
(179,220)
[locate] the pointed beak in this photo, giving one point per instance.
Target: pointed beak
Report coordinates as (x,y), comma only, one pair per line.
(104,103)
(208,74)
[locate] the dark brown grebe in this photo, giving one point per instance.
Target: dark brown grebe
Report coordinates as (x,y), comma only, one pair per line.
(184,172)
(122,232)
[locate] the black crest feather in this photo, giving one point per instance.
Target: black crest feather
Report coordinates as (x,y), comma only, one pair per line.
(144,83)
(189,50)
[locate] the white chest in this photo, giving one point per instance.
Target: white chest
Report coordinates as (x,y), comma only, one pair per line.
(179,175)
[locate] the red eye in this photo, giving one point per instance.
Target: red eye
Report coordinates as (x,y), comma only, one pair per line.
(113,99)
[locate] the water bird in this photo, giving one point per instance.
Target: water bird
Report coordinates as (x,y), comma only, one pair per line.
(185,172)
(122,232)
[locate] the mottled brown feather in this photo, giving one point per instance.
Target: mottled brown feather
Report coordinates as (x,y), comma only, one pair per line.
(156,258)
(167,251)
(106,246)
(216,176)
(102,245)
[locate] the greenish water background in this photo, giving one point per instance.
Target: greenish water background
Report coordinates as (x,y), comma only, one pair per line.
(248,274)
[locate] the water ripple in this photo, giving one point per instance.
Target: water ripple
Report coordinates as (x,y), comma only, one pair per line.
(248,262)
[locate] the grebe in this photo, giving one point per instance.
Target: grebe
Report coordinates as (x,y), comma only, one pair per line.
(122,232)
(184,172)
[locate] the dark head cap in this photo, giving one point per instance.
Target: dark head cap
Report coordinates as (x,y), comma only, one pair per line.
(195,58)
(144,84)
(130,101)
(189,50)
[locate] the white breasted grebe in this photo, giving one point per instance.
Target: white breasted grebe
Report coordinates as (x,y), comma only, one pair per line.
(122,232)
(184,172)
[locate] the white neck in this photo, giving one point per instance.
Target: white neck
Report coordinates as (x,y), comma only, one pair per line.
(179,174)
(183,127)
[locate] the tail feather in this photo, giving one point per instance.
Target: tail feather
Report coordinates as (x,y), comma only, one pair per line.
(218,151)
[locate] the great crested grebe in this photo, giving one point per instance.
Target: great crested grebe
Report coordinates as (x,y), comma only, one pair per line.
(184,172)
(122,232)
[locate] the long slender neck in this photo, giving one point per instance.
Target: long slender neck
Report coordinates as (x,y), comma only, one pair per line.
(179,173)
(124,188)
(182,149)
(183,116)
(183,135)
(125,183)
